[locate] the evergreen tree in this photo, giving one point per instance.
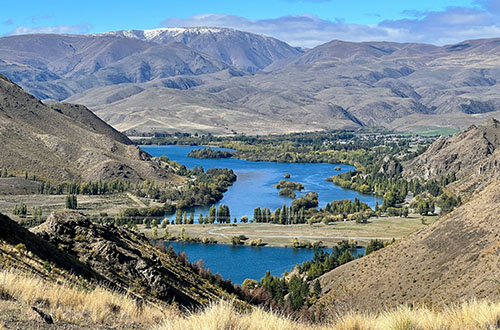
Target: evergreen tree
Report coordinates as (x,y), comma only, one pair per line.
(257,215)
(277,216)
(299,291)
(317,288)
(283,215)
(71,202)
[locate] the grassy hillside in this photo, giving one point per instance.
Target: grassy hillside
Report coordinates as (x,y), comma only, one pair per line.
(455,259)
(473,315)
(70,249)
(66,142)
(70,307)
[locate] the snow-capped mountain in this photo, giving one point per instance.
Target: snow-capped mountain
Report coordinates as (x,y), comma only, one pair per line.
(243,50)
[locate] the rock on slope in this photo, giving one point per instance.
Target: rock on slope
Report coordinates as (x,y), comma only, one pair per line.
(474,155)
(17,243)
(115,257)
(66,142)
(453,260)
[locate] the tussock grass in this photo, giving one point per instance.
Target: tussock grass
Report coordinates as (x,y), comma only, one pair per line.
(223,316)
(468,316)
(65,302)
(472,315)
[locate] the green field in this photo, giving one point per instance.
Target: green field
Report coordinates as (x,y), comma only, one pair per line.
(431,131)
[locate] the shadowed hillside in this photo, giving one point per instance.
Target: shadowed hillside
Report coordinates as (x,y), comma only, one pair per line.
(66,142)
(472,155)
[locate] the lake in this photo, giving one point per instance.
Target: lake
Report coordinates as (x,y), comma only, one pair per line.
(241,262)
(254,186)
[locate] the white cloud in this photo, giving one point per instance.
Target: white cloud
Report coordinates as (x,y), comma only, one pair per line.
(63,29)
(452,25)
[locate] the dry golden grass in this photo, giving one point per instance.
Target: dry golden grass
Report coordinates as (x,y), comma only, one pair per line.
(468,316)
(65,302)
(223,316)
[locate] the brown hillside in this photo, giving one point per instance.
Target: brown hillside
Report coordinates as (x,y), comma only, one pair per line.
(65,142)
(455,259)
(464,153)
(474,155)
(69,247)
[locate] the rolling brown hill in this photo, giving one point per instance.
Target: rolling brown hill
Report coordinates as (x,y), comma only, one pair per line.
(455,259)
(473,155)
(66,142)
(221,80)
(406,87)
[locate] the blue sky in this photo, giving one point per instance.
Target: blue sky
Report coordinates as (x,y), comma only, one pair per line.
(300,22)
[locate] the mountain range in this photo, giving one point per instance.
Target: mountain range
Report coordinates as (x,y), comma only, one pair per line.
(223,81)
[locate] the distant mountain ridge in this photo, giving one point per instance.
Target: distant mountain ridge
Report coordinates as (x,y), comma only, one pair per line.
(243,50)
(222,81)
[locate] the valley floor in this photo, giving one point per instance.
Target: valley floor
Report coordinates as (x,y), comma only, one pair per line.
(90,205)
(383,228)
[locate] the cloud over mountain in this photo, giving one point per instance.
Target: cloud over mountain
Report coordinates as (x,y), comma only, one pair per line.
(59,29)
(451,25)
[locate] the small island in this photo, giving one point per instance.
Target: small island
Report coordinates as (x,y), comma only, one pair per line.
(210,153)
(288,188)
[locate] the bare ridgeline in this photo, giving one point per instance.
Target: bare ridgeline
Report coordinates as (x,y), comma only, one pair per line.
(77,274)
(222,80)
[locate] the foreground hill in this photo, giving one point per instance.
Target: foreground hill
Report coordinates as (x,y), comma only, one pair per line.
(65,142)
(68,246)
(455,259)
(70,287)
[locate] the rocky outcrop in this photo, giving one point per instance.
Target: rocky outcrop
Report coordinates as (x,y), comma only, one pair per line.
(126,260)
(70,248)
(473,155)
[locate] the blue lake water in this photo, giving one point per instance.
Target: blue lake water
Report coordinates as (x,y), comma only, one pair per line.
(241,262)
(254,186)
